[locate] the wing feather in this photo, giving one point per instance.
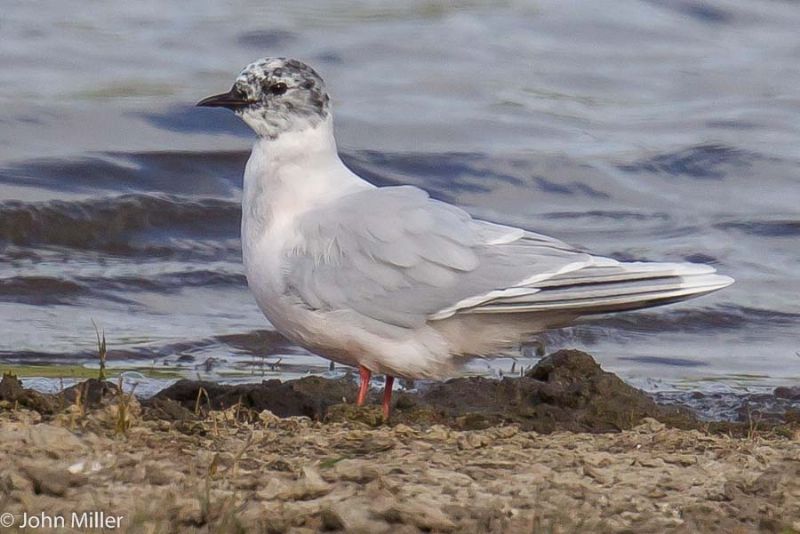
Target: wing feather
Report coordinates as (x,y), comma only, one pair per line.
(398,256)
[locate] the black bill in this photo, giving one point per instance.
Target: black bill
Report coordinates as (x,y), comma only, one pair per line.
(233,99)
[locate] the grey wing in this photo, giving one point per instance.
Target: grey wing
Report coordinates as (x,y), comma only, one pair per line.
(395,255)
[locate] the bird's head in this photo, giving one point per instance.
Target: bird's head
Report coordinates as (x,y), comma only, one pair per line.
(276,95)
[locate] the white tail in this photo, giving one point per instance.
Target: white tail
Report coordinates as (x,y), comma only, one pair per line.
(612,286)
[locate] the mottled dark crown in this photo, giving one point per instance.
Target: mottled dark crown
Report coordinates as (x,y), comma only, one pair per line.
(284,95)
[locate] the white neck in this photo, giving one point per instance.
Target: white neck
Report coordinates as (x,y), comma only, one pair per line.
(293,146)
(288,175)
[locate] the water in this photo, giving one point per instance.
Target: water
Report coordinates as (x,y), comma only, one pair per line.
(641,130)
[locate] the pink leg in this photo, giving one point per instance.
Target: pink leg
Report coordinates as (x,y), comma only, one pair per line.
(387,396)
(363,388)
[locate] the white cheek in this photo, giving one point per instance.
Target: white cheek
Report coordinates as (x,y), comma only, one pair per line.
(256,121)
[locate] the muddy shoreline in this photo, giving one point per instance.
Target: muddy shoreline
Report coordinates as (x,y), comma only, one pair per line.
(566,447)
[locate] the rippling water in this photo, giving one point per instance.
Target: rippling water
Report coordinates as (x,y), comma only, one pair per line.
(641,130)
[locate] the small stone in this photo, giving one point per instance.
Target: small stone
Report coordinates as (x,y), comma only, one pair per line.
(473,440)
(598,459)
(159,475)
(645,461)
(404,430)
(275,488)
(438,432)
(600,475)
(369,415)
(420,514)
(309,486)
(649,426)
(504,432)
(268,418)
(55,441)
(84,467)
(674,484)
(356,471)
(16,481)
(52,481)
(682,459)
(247,482)
(352,517)
(361,442)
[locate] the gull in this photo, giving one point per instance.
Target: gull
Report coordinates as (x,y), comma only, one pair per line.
(388,279)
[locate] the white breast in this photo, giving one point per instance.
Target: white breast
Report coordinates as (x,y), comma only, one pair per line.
(284,178)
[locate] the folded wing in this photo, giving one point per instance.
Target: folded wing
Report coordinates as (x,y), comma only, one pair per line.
(395,255)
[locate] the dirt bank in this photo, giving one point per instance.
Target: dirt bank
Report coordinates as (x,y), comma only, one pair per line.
(538,453)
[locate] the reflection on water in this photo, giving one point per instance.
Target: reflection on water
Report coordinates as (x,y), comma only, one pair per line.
(641,130)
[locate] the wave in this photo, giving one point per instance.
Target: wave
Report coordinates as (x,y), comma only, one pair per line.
(40,290)
(702,162)
(704,322)
(613,215)
(125,225)
(217,174)
(717,318)
(263,343)
(782,228)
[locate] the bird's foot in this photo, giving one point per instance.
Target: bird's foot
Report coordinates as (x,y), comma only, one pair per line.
(363,387)
(387,396)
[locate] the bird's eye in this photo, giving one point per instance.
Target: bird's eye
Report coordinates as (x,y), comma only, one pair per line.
(278,88)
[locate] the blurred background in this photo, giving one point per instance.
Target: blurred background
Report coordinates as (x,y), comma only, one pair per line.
(653,130)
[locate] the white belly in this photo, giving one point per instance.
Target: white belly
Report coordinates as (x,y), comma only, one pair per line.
(343,336)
